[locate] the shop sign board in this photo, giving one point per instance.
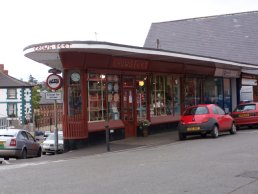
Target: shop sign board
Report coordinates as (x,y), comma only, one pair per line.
(249,82)
(53,96)
(54,81)
(227,73)
(129,64)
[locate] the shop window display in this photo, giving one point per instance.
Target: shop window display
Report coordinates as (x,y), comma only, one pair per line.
(192,91)
(165,94)
(113,97)
(141,96)
(213,91)
(103,97)
(176,95)
(74,94)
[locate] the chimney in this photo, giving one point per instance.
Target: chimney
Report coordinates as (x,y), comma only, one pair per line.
(2,69)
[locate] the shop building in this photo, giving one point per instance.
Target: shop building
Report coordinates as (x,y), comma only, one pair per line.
(118,85)
(232,37)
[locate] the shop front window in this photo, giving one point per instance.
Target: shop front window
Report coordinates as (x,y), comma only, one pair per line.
(192,91)
(176,96)
(103,97)
(74,94)
(165,95)
(213,91)
(141,96)
(158,99)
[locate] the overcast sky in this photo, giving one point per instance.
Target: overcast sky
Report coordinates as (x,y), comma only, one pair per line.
(26,22)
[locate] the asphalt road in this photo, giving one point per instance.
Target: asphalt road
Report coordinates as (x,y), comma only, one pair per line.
(227,165)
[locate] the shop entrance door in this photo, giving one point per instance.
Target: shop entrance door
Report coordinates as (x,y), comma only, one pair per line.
(128,106)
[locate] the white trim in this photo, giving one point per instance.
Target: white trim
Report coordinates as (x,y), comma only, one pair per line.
(53,48)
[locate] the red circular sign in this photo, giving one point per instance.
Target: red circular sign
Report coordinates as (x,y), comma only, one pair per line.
(54,81)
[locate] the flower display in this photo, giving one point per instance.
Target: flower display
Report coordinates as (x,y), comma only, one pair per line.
(143,123)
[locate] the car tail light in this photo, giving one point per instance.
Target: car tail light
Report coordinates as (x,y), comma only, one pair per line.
(13,142)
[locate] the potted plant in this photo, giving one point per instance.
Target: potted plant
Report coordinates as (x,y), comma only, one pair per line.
(143,126)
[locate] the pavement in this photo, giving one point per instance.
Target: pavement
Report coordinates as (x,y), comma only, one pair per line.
(157,139)
(160,138)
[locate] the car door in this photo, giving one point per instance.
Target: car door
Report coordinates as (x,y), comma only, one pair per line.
(225,122)
(32,144)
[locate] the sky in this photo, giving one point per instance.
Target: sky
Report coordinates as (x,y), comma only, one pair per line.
(27,22)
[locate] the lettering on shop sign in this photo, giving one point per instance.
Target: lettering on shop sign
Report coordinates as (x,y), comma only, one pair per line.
(133,64)
(47,47)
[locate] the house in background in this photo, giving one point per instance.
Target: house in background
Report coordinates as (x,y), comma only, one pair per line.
(15,99)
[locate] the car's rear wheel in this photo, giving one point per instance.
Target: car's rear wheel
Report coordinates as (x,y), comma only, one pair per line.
(181,136)
(215,131)
(23,154)
(233,129)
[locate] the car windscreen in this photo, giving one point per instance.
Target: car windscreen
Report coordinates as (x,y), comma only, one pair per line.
(52,137)
(245,107)
(196,111)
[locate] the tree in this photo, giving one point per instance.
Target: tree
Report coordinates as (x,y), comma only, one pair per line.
(35,97)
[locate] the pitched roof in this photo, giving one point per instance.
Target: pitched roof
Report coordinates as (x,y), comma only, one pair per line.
(232,37)
(7,81)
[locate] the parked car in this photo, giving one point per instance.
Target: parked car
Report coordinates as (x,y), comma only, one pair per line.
(205,119)
(48,145)
(39,136)
(18,143)
(46,134)
(246,114)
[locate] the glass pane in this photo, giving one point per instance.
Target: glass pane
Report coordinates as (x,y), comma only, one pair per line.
(192,91)
(74,95)
(158,95)
(213,91)
(176,94)
(96,97)
(141,97)
(75,101)
(11,93)
(113,97)
(103,97)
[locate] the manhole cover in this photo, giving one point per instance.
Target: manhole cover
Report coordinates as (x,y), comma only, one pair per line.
(250,174)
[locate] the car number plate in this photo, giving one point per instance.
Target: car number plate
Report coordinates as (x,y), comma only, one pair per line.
(193,128)
(243,115)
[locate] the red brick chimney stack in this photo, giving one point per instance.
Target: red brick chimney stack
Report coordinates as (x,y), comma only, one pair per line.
(3,70)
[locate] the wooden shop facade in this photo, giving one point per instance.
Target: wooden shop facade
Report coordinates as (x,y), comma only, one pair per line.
(119,85)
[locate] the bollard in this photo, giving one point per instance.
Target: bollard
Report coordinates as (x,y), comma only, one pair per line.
(107,138)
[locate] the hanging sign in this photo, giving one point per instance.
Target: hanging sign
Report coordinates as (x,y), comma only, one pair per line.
(54,81)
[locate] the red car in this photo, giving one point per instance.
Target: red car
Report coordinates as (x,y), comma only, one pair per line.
(205,119)
(246,114)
